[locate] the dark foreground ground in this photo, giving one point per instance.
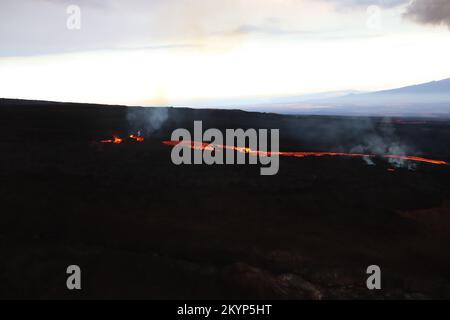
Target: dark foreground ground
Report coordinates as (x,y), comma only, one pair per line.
(140,227)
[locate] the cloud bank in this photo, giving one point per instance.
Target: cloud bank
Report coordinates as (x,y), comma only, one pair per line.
(435,12)
(366,3)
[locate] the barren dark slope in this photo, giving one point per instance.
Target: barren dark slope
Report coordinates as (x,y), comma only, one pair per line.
(140,227)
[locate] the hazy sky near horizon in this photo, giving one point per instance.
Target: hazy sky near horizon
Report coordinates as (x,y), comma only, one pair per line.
(191,52)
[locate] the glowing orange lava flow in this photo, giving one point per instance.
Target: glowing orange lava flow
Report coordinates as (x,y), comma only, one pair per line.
(206,146)
(118,140)
(136,138)
(115,140)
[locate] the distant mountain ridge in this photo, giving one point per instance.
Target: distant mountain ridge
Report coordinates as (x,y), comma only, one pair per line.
(428,87)
(431,99)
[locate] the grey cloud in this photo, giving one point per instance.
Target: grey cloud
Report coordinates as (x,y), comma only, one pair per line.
(38,27)
(366,3)
(85,3)
(435,12)
(35,27)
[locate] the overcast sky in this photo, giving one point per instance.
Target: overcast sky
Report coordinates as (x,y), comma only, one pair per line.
(154,52)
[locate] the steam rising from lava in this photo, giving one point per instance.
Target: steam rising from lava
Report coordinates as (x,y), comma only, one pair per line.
(147,120)
(359,135)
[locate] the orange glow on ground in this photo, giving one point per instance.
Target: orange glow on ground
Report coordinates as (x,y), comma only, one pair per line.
(118,140)
(114,140)
(136,138)
(207,146)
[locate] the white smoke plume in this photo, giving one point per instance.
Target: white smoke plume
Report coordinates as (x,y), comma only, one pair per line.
(147,120)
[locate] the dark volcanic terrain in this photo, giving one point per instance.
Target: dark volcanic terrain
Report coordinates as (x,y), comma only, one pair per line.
(141,227)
